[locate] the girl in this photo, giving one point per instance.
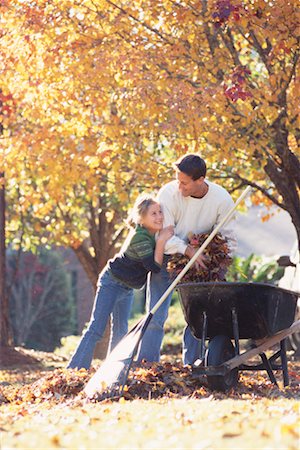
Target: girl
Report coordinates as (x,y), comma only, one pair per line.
(128,270)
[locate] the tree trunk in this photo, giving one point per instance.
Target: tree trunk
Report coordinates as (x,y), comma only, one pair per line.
(285,170)
(90,266)
(288,191)
(103,241)
(5,333)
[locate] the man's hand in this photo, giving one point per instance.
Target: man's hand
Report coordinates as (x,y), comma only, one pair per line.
(200,261)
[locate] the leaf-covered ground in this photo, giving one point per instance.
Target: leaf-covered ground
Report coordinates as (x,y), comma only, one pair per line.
(163,407)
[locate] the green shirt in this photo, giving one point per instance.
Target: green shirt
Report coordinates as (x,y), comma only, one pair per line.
(135,259)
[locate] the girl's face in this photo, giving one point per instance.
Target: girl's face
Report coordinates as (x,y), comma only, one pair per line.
(153,218)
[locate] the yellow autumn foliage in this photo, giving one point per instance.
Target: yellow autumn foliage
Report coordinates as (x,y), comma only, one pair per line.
(98,99)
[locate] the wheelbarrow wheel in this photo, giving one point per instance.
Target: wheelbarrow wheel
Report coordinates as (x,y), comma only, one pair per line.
(220,349)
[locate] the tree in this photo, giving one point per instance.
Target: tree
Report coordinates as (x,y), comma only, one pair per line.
(207,75)
(69,181)
(76,172)
(224,76)
(101,96)
(5,332)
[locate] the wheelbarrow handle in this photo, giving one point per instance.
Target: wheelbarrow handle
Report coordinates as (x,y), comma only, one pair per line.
(200,250)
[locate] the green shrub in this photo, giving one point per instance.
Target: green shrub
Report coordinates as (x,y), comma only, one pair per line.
(254,268)
(42,307)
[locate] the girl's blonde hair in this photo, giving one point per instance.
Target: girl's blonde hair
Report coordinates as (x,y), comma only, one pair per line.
(140,208)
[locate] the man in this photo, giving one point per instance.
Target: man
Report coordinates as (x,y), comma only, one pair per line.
(193,204)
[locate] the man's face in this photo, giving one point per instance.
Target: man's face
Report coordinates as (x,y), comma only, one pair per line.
(188,186)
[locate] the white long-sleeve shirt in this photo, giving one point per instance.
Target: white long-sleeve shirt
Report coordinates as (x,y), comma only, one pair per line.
(195,215)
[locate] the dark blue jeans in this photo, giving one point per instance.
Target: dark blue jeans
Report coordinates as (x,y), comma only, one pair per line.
(113,298)
(152,339)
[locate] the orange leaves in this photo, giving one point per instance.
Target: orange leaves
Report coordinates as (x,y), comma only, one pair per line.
(151,380)
(163,407)
(58,385)
(142,82)
(92,161)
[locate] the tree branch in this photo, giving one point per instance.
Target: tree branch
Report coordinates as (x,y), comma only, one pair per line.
(229,42)
(262,53)
(140,22)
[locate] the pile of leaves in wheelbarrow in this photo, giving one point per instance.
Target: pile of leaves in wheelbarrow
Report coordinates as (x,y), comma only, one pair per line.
(217,260)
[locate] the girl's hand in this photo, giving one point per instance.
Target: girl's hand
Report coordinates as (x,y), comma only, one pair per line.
(166,233)
(163,236)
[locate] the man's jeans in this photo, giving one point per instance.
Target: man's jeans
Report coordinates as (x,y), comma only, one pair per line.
(152,340)
(112,298)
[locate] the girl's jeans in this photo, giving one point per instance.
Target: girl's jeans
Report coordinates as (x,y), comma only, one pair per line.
(113,298)
(152,339)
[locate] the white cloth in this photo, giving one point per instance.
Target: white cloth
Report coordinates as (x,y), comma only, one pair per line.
(195,215)
(291,277)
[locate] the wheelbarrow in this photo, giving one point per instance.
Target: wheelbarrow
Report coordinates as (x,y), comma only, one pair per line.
(220,314)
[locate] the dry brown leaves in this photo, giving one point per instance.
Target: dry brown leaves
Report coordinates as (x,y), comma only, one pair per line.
(55,386)
(217,260)
(148,381)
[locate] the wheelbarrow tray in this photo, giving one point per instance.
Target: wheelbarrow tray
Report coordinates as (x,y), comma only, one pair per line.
(262,309)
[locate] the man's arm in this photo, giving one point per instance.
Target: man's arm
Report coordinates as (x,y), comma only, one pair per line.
(175,244)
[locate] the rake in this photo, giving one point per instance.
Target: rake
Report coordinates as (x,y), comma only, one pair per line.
(110,379)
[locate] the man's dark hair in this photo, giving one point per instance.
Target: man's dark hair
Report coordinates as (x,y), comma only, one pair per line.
(192,165)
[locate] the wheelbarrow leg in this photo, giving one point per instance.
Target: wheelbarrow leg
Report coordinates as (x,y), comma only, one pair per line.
(236,333)
(284,365)
(204,335)
(268,368)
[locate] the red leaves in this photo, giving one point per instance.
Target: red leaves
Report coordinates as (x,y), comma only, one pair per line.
(225,9)
(217,260)
(236,89)
(6,104)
